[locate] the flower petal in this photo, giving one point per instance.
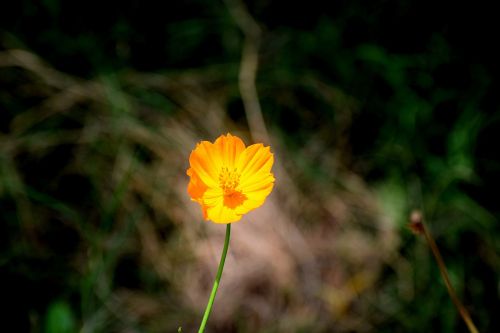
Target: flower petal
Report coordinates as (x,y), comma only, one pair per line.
(255,164)
(255,159)
(217,210)
(255,182)
(254,199)
(206,161)
(230,148)
(196,188)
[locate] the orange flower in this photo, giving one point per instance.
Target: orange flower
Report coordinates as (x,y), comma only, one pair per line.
(229,179)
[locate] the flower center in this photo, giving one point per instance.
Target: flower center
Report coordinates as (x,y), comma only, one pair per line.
(228,180)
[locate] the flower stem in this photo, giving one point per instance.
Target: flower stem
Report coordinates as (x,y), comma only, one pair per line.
(444,273)
(418,227)
(208,309)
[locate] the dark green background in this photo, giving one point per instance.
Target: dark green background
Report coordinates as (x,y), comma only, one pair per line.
(418,83)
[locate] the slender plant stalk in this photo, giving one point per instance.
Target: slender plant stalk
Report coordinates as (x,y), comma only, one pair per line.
(208,309)
(419,227)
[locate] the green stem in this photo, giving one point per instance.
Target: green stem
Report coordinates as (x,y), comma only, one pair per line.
(208,309)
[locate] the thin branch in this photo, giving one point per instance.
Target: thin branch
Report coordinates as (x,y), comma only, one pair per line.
(418,227)
(248,69)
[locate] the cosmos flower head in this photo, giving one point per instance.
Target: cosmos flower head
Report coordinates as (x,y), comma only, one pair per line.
(229,179)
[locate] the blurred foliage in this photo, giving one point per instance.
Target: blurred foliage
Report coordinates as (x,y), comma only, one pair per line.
(99,111)
(59,319)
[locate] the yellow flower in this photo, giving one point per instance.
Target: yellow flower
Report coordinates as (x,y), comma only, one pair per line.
(229,179)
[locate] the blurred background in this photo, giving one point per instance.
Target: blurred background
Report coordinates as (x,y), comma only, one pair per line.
(372,109)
